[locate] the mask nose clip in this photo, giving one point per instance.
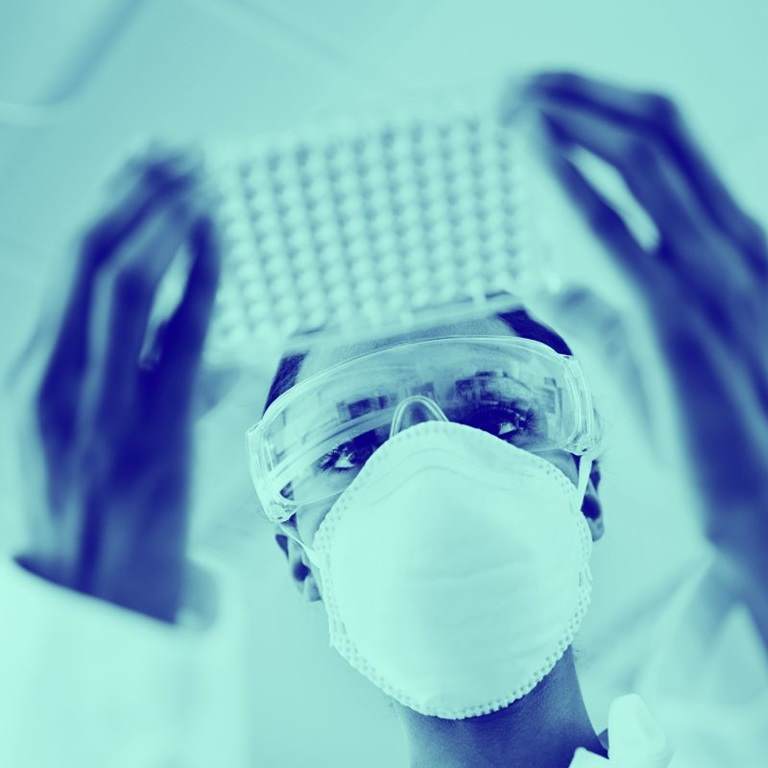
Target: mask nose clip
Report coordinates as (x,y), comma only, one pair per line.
(414,410)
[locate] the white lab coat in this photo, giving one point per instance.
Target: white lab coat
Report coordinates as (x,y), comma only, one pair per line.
(707,676)
(86,684)
(704,677)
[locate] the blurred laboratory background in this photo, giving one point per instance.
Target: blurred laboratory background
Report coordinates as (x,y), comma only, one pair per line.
(85,82)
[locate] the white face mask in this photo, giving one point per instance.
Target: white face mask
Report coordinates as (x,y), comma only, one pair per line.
(455,569)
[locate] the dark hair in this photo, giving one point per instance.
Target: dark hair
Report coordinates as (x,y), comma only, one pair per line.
(518,321)
(285,378)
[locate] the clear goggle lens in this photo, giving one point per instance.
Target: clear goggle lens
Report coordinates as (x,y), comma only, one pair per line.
(314,440)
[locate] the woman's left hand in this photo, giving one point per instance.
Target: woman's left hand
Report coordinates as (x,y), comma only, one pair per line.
(705,286)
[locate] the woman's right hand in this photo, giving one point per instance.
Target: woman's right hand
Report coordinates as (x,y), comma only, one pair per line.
(111,425)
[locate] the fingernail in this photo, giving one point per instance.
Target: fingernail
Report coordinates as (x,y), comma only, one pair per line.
(512,100)
(537,86)
(541,80)
(532,84)
(184,160)
(172,171)
(185,157)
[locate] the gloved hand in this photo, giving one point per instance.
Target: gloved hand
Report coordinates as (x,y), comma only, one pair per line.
(112,423)
(705,286)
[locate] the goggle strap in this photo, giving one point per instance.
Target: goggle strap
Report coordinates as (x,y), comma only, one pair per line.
(585,471)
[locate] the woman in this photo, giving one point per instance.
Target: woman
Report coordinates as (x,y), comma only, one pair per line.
(117,462)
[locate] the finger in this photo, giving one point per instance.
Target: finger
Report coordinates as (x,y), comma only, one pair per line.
(692,248)
(639,163)
(719,286)
(181,160)
(722,403)
(185,332)
(607,225)
(659,116)
(145,185)
(131,293)
(62,378)
(706,267)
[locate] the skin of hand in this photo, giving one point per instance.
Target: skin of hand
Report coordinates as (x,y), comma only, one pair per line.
(113,425)
(705,286)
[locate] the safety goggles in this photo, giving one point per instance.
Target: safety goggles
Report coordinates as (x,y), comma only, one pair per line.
(314,439)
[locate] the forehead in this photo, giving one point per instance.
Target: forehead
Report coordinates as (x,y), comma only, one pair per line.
(322,357)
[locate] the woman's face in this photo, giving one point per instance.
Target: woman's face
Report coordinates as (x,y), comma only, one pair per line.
(307,522)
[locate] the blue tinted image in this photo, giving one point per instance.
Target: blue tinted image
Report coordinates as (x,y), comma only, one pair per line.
(383,384)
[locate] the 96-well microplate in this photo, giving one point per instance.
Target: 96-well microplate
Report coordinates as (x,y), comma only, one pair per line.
(368,230)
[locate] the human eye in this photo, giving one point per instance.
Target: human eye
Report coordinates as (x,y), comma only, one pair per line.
(340,459)
(497,404)
(509,421)
(349,456)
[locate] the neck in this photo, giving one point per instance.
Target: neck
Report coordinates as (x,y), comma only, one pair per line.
(541,730)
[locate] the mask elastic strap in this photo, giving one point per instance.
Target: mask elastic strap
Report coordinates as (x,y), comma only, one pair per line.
(585,470)
(311,554)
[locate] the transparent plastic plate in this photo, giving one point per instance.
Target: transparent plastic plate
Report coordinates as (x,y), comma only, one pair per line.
(369,228)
